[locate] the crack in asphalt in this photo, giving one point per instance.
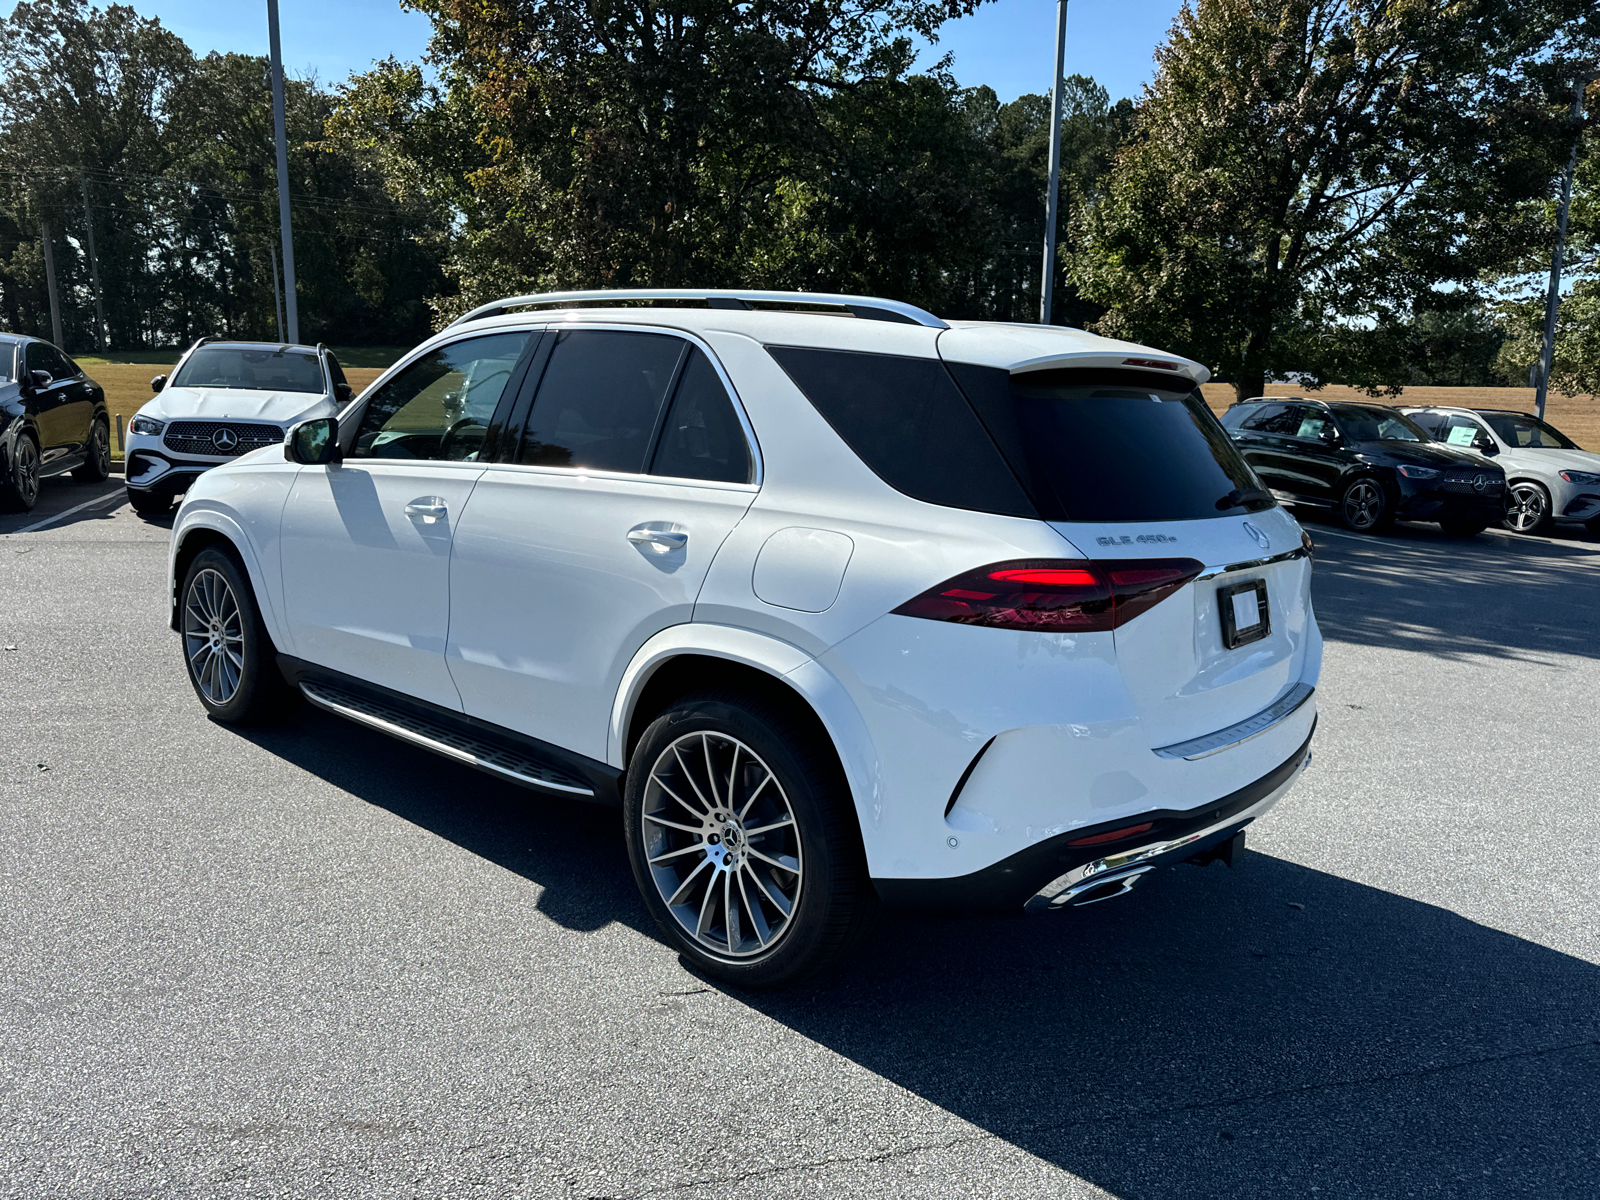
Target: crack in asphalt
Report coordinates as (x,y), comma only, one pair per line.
(1136,1114)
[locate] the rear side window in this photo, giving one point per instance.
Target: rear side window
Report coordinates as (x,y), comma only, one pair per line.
(701,437)
(910,424)
(598,402)
(1279,419)
(1106,445)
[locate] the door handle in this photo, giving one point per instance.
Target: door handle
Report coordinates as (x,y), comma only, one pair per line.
(429,508)
(662,541)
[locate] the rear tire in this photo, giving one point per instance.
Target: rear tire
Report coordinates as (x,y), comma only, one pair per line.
(231,661)
(734,805)
(147,505)
(1593,525)
(1364,506)
(97,454)
(19,489)
(1528,508)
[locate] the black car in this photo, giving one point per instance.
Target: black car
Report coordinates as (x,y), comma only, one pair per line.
(1368,463)
(53,418)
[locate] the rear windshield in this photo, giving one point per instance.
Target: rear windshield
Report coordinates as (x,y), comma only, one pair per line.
(276,369)
(1103,445)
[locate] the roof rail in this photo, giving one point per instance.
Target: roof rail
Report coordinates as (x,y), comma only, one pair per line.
(866,307)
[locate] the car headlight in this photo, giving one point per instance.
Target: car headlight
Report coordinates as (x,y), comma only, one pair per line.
(1587,478)
(148,425)
(1411,472)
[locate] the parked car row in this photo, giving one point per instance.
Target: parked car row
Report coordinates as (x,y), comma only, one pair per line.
(1370,464)
(54,419)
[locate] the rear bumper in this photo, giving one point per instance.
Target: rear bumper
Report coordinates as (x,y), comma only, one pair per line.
(1043,875)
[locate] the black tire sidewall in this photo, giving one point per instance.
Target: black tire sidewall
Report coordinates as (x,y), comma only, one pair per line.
(149,506)
(261,687)
(834,894)
(96,467)
(12,493)
(1385,514)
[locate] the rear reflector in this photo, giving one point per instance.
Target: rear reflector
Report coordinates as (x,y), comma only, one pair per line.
(1116,835)
(1053,596)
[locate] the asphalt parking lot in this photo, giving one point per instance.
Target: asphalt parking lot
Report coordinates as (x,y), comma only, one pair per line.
(313,962)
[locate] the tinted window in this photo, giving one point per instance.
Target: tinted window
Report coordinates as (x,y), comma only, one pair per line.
(701,437)
(1519,429)
(43,357)
(1277,419)
(1101,445)
(1376,425)
(1312,423)
(910,424)
(8,356)
(276,369)
(1431,424)
(599,399)
(440,406)
(1456,430)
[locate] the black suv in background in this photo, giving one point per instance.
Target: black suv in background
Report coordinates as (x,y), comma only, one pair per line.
(1368,463)
(52,420)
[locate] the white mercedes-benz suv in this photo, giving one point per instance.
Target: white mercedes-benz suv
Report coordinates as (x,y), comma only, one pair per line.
(222,400)
(840,602)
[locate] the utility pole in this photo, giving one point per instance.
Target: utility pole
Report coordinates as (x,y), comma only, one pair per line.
(1547,347)
(50,281)
(100,330)
(277,300)
(290,309)
(1052,197)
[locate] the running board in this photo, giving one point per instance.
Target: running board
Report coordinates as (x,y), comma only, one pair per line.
(432,735)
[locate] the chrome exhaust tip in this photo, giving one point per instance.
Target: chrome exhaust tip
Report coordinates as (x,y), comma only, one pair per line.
(1089,891)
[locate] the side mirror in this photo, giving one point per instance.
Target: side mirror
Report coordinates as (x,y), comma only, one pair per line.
(344,392)
(313,443)
(1330,435)
(39,379)
(1485,447)
(159,382)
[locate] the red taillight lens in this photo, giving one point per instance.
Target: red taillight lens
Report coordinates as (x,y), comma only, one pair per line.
(1116,835)
(1054,596)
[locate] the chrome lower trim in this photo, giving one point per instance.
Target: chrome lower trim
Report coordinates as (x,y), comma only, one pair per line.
(1237,734)
(1063,891)
(1286,556)
(441,740)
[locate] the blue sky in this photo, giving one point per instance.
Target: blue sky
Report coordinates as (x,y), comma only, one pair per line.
(1007,44)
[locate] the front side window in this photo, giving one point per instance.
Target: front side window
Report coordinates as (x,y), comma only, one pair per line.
(440,406)
(1376,425)
(599,400)
(1521,430)
(1312,423)
(1279,420)
(1457,430)
(46,358)
(252,368)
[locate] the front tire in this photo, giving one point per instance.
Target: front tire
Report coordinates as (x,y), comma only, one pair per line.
(1464,527)
(1364,506)
(744,842)
(230,659)
(96,466)
(1528,508)
(19,490)
(147,505)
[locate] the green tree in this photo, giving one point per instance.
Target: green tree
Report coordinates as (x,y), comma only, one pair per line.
(1307,169)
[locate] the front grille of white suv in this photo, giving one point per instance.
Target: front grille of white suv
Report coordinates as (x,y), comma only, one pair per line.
(202,437)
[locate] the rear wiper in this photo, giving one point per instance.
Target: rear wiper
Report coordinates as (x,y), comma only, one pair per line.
(1242,496)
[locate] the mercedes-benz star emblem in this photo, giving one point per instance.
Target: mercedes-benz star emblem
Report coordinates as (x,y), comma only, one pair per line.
(1261,539)
(1479,482)
(225,440)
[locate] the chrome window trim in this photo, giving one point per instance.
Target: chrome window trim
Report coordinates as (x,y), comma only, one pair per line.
(1280,710)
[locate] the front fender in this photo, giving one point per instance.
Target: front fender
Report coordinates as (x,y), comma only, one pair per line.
(246,508)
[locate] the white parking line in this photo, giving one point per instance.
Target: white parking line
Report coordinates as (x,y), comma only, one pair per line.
(76,508)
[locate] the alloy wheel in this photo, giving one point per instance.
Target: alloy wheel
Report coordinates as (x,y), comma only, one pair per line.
(1525,507)
(213,636)
(722,844)
(1363,503)
(27,472)
(100,440)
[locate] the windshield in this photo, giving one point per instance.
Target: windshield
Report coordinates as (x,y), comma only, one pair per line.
(278,369)
(1362,424)
(1523,431)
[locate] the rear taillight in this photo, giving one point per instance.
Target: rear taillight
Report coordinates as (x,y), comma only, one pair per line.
(1054,596)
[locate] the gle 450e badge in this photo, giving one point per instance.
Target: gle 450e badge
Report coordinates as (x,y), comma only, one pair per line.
(1143,539)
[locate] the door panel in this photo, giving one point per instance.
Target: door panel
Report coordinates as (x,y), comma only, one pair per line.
(366,570)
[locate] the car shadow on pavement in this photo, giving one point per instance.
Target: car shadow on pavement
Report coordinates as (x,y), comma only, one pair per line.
(1497,595)
(1261,1031)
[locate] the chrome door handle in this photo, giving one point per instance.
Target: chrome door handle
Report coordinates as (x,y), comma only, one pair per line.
(661,540)
(429,508)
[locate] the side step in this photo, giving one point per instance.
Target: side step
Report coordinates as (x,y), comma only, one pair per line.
(435,736)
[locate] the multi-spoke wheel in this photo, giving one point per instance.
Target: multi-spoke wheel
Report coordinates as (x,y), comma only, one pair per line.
(1527,508)
(1364,506)
(19,488)
(743,839)
(225,645)
(96,454)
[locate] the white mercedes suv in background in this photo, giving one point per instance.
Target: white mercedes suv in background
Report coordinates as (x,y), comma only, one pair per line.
(839,601)
(1548,477)
(222,400)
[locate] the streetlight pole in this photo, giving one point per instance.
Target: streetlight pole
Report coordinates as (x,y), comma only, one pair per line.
(291,312)
(1052,197)
(1547,347)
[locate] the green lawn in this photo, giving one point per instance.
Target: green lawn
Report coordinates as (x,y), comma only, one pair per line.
(349,356)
